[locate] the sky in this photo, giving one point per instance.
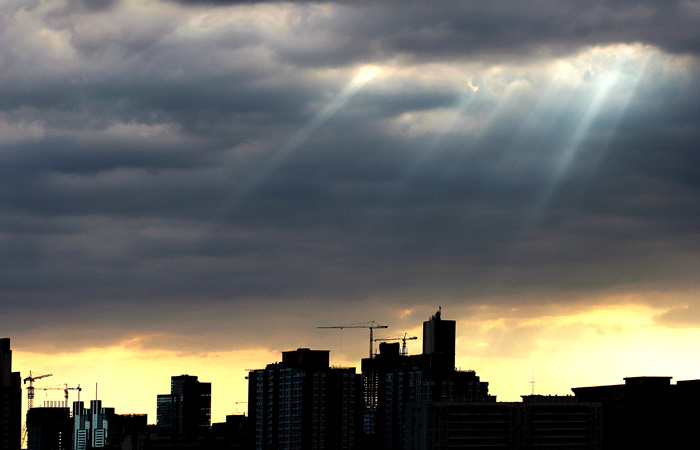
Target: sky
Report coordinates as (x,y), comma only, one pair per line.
(196,186)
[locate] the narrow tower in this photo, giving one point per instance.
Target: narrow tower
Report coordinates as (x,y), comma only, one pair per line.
(439,340)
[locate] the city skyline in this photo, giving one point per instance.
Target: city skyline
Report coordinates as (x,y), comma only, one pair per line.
(398,401)
(196,186)
(230,399)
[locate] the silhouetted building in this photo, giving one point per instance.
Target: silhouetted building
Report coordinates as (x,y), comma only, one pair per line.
(302,403)
(547,422)
(10,400)
(539,422)
(231,435)
(439,340)
(49,428)
(236,431)
(647,412)
(393,381)
(186,411)
(91,427)
(128,431)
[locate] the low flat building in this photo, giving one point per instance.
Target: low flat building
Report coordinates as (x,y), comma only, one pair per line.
(539,422)
(646,412)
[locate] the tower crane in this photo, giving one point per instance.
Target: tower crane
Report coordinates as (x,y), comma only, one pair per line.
(65,391)
(30,389)
(371,325)
(406,337)
(78,388)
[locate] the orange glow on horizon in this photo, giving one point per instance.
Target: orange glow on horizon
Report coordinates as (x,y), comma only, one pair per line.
(565,347)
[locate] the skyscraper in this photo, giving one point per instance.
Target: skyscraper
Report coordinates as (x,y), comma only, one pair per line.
(395,381)
(10,400)
(91,427)
(186,411)
(439,340)
(302,403)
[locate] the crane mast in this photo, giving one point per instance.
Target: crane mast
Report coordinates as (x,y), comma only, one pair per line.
(30,389)
(371,325)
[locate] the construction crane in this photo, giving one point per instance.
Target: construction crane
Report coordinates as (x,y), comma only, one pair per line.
(371,325)
(78,388)
(65,391)
(406,337)
(30,389)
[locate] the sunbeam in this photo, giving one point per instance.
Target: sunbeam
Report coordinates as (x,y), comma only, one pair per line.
(466,100)
(262,173)
(609,82)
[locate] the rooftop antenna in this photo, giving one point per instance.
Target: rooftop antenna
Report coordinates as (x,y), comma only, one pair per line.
(533,382)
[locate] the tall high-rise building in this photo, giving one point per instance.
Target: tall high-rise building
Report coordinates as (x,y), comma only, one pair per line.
(49,428)
(394,381)
(302,403)
(186,411)
(439,340)
(10,400)
(91,427)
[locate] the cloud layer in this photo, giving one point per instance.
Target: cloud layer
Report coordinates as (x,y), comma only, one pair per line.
(162,158)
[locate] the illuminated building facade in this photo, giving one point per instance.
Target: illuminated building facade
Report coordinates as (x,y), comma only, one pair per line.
(91,427)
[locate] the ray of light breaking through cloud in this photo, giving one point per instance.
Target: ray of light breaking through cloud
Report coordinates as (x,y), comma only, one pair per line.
(612,80)
(268,167)
(466,101)
(484,126)
(623,105)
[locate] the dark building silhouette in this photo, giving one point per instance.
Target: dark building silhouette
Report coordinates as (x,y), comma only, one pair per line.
(10,400)
(439,340)
(647,412)
(186,411)
(303,403)
(539,422)
(49,428)
(546,422)
(128,432)
(393,381)
(230,435)
(235,431)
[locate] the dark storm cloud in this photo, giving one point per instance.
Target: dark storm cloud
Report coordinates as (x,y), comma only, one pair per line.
(155,158)
(445,28)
